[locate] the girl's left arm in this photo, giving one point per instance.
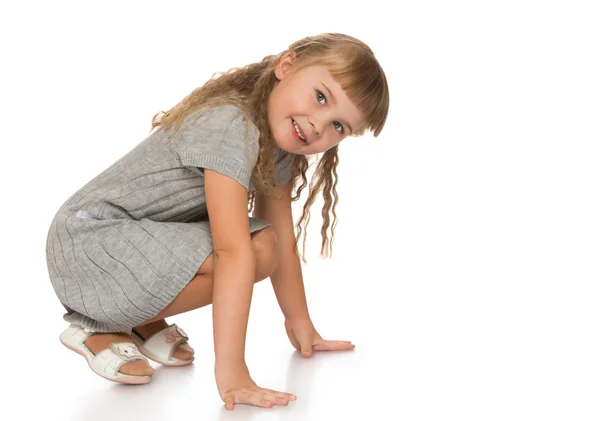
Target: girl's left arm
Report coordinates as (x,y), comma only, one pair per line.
(287,279)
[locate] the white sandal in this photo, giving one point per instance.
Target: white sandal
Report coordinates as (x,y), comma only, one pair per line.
(159,346)
(107,362)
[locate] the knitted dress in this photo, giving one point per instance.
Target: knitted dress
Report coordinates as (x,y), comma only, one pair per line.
(124,246)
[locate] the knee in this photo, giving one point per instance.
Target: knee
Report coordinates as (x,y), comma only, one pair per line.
(266,251)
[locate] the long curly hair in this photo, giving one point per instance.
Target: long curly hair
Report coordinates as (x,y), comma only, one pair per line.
(351,63)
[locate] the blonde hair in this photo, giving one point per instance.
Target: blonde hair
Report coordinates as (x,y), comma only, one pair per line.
(351,63)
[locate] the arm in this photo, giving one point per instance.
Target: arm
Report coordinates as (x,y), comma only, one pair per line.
(233,281)
(287,279)
(227,203)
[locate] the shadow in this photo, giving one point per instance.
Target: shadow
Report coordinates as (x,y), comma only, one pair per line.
(301,381)
(121,401)
(241,412)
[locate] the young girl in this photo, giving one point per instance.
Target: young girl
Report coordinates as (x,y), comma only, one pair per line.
(166,229)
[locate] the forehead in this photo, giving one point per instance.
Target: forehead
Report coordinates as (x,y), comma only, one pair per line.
(321,78)
(318,74)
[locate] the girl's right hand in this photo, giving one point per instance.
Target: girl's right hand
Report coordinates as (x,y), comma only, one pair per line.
(236,386)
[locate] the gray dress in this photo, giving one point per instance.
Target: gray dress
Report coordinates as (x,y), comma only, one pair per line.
(124,246)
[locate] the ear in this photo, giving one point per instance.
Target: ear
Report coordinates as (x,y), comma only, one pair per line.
(285,65)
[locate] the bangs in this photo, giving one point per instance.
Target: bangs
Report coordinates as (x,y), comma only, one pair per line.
(353,65)
(364,81)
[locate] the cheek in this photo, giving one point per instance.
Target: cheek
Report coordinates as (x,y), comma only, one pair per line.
(326,143)
(298,101)
(332,136)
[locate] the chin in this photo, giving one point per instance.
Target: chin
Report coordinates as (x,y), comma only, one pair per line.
(290,150)
(285,144)
(281,145)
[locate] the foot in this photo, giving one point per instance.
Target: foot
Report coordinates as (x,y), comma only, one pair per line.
(100,341)
(182,352)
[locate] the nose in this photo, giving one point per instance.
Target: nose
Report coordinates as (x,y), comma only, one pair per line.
(317,125)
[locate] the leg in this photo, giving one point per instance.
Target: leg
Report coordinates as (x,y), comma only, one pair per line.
(198,293)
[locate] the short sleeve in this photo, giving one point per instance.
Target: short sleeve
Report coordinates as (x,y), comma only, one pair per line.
(221,139)
(283,166)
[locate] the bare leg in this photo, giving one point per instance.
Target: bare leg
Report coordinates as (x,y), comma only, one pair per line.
(198,293)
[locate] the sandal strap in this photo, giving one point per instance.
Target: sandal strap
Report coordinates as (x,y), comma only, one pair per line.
(162,343)
(110,360)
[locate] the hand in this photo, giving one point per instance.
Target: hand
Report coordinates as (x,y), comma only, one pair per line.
(305,338)
(236,386)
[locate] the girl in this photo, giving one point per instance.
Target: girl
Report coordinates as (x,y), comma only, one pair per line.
(166,229)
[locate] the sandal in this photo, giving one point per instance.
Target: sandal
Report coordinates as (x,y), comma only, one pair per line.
(107,362)
(159,346)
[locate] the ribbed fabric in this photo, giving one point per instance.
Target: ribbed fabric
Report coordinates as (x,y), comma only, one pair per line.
(125,245)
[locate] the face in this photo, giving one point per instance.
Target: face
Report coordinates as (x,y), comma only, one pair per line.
(309,111)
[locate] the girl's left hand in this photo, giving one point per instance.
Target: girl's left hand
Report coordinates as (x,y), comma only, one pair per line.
(305,338)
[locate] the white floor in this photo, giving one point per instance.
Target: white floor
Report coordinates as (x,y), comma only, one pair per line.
(437,338)
(467,262)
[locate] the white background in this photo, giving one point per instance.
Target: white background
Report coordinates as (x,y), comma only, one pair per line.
(466,266)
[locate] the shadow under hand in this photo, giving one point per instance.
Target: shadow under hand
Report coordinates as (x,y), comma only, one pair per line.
(241,412)
(301,381)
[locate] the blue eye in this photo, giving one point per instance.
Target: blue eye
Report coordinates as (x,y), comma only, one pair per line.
(321,97)
(322,100)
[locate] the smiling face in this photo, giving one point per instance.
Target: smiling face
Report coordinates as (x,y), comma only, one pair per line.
(308,110)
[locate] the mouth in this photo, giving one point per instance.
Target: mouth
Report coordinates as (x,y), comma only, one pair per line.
(297,133)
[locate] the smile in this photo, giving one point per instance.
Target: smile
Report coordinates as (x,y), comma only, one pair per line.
(298,132)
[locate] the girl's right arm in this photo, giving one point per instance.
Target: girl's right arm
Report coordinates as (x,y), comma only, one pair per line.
(234,268)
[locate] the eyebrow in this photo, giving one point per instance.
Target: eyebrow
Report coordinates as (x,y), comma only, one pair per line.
(335,102)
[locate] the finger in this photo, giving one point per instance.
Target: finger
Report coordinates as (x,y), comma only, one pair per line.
(253,397)
(306,345)
(333,346)
(284,395)
(306,352)
(292,339)
(325,340)
(276,400)
(229,400)
(322,341)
